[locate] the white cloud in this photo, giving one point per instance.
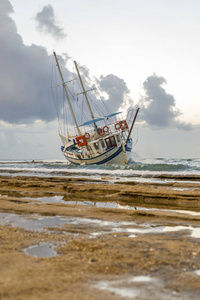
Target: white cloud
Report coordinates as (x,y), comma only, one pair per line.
(158,108)
(47,23)
(25,76)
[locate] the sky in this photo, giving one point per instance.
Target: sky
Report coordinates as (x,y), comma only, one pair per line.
(137,52)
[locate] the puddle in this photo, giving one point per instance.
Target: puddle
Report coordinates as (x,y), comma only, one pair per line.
(33,222)
(197,272)
(141,279)
(121,292)
(145,229)
(40,223)
(54,199)
(41,250)
(120,206)
(117,287)
(59,199)
(191,231)
(137,287)
(195,233)
(100,204)
(175,228)
(182,189)
(188,212)
(95,227)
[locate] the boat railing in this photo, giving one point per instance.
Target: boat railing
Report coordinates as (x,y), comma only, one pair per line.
(107,129)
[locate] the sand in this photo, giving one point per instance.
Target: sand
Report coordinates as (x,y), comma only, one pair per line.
(144,249)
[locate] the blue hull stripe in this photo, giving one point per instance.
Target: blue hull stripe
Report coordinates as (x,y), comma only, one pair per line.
(99,162)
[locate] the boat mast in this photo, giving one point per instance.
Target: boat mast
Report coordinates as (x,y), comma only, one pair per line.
(66,92)
(85,94)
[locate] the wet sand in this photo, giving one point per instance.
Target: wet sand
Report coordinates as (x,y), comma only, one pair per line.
(147,248)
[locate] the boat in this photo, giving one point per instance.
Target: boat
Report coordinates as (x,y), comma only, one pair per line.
(102,139)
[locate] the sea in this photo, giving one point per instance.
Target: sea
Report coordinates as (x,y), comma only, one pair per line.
(141,170)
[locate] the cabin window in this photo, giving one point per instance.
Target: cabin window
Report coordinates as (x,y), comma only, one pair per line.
(88,148)
(96,146)
(113,142)
(118,138)
(110,142)
(102,144)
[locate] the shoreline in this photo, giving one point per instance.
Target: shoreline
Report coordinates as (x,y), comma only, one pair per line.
(158,243)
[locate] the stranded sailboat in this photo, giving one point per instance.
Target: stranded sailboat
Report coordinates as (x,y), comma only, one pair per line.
(108,142)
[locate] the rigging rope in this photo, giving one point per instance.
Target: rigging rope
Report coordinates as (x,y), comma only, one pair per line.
(78,105)
(137,139)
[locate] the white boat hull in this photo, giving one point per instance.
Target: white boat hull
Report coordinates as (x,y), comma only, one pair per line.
(115,155)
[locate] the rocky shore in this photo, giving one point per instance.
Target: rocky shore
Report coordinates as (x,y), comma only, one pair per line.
(109,240)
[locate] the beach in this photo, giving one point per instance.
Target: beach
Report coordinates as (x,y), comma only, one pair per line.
(87,238)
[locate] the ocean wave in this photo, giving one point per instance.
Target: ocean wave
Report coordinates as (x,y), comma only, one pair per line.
(135,168)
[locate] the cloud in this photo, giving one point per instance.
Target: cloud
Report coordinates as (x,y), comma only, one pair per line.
(115,88)
(158,108)
(25,83)
(25,75)
(47,23)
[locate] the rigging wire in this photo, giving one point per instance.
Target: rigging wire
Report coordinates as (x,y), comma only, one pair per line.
(65,110)
(132,114)
(73,95)
(77,106)
(83,115)
(61,105)
(136,139)
(137,136)
(96,107)
(101,112)
(103,101)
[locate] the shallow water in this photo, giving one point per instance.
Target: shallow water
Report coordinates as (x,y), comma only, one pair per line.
(41,250)
(137,287)
(96,227)
(120,291)
(111,204)
(142,170)
(197,272)
(54,199)
(120,206)
(59,199)
(33,222)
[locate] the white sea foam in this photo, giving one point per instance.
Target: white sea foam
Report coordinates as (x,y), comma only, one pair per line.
(146,170)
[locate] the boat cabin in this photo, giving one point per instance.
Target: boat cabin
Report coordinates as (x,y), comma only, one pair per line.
(103,144)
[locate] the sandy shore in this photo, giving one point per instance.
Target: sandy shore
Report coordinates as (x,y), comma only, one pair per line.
(148,250)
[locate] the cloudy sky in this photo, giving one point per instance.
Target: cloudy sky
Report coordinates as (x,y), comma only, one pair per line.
(138,52)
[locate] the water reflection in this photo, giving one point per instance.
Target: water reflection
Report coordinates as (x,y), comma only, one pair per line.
(41,250)
(92,227)
(137,287)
